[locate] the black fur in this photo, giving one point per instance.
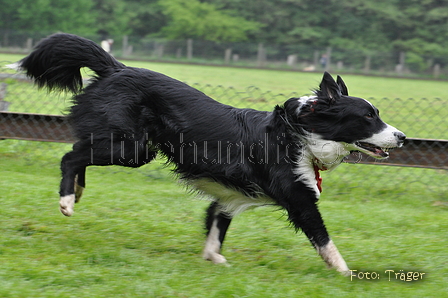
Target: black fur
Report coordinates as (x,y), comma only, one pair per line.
(127,115)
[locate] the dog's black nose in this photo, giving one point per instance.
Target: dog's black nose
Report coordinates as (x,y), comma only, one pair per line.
(400,136)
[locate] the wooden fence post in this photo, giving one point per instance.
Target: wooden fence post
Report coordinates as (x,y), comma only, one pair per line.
(367,63)
(227,55)
(29,44)
(316,58)
(292,60)
(159,48)
(436,71)
(328,65)
(261,55)
(3,104)
(401,60)
(189,49)
(124,48)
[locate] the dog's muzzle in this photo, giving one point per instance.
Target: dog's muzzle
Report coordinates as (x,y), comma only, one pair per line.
(400,138)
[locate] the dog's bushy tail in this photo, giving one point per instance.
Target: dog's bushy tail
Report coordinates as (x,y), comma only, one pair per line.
(56,61)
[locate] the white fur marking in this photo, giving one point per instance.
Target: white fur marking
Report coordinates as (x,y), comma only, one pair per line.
(329,153)
(385,138)
(16,66)
(232,201)
(213,246)
(304,171)
(368,102)
(66,204)
(326,154)
(333,258)
(304,100)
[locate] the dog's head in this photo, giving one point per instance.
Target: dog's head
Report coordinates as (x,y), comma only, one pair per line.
(332,115)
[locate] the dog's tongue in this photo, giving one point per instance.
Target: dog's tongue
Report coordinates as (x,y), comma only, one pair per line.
(381,152)
(376,151)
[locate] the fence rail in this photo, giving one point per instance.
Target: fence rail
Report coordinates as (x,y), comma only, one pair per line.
(425,153)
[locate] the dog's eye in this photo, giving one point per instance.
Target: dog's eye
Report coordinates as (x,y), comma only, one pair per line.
(369,116)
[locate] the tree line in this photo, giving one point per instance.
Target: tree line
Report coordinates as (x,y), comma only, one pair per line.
(415,26)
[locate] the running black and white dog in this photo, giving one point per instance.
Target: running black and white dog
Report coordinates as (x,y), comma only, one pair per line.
(241,158)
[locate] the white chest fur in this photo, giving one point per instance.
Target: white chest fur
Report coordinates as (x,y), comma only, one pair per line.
(328,154)
(231,200)
(323,154)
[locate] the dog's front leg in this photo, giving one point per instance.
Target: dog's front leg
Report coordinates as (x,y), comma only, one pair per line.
(306,216)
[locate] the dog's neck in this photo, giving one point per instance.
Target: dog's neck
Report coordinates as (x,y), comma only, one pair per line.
(326,155)
(325,159)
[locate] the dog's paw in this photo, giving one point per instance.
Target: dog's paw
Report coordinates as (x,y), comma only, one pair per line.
(216,258)
(67,204)
(345,272)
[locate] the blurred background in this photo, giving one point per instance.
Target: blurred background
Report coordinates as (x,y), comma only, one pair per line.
(405,39)
(402,38)
(138,234)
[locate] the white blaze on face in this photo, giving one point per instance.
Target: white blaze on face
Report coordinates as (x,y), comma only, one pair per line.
(386,138)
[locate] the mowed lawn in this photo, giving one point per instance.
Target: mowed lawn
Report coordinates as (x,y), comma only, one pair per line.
(137,233)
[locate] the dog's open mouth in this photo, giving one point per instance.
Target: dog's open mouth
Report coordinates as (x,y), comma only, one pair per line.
(373,150)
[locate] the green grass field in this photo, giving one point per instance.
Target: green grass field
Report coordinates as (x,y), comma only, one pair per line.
(124,242)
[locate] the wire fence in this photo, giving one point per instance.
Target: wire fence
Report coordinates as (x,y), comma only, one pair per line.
(418,118)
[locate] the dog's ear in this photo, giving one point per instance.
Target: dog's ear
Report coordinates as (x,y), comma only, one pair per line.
(329,88)
(342,86)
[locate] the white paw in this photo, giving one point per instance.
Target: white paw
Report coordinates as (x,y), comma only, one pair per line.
(66,204)
(333,258)
(345,272)
(215,257)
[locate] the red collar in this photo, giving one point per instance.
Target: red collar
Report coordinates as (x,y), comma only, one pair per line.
(318,168)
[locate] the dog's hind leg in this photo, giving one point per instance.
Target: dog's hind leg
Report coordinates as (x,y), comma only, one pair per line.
(73,169)
(73,166)
(80,184)
(99,152)
(216,223)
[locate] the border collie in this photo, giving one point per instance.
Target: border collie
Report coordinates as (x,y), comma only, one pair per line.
(240,158)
